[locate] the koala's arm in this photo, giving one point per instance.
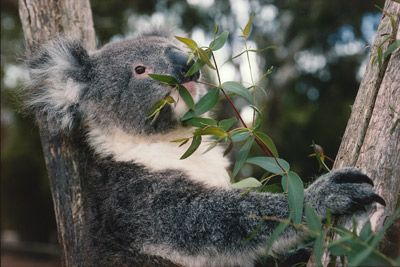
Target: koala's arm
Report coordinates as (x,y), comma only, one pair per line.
(192,225)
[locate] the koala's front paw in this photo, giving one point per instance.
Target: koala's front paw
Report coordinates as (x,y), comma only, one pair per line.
(342,192)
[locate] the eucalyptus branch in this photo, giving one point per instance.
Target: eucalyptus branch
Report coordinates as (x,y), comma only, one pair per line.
(237,113)
(266,179)
(206,83)
(263,147)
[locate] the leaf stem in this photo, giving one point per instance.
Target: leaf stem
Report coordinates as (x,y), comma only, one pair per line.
(251,76)
(217,69)
(206,83)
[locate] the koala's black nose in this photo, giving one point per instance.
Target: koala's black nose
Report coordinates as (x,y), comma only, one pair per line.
(179,61)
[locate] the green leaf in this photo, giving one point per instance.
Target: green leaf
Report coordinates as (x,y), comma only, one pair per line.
(186,96)
(179,140)
(340,247)
(247,183)
(313,220)
(164,78)
(239,89)
(267,141)
(195,68)
(247,29)
(275,234)
(272,188)
(169,100)
(376,258)
(380,56)
(256,109)
(366,231)
(156,109)
(227,123)
(205,57)
(201,122)
(191,57)
(188,115)
(182,141)
(211,130)
(242,155)
(219,41)
(354,225)
(397,260)
(193,146)
(293,185)
(392,47)
(269,164)
(240,135)
(318,248)
(191,44)
(216,28)
(207,102)
(258,121)
(360,258)
(212,145)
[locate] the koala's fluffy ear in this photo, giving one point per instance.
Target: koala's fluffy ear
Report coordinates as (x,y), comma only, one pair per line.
(59,73)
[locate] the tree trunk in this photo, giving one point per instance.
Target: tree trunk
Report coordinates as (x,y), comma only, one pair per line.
(42,20)
(372,138)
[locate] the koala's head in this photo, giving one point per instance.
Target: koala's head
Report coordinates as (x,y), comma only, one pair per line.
(110,87)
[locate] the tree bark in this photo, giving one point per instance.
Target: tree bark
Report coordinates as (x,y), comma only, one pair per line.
(371,141)
(372,138)
(42,20)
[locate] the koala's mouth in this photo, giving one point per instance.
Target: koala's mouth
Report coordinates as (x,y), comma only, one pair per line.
(190,83)
(195,89)
(191,86)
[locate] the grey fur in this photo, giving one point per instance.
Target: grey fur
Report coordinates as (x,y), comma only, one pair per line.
(140,217)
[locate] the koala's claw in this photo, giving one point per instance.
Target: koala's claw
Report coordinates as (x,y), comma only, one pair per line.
(360,203)
(350,175)
(342,192)
(377,198)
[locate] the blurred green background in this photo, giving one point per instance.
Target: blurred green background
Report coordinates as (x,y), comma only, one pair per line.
(320,57)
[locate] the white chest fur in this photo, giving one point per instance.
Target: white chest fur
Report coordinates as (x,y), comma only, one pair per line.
(157,152)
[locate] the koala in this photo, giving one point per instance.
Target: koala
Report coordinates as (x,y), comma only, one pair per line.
(145,206)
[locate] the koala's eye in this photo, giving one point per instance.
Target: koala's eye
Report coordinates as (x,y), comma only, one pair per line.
(140,69)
